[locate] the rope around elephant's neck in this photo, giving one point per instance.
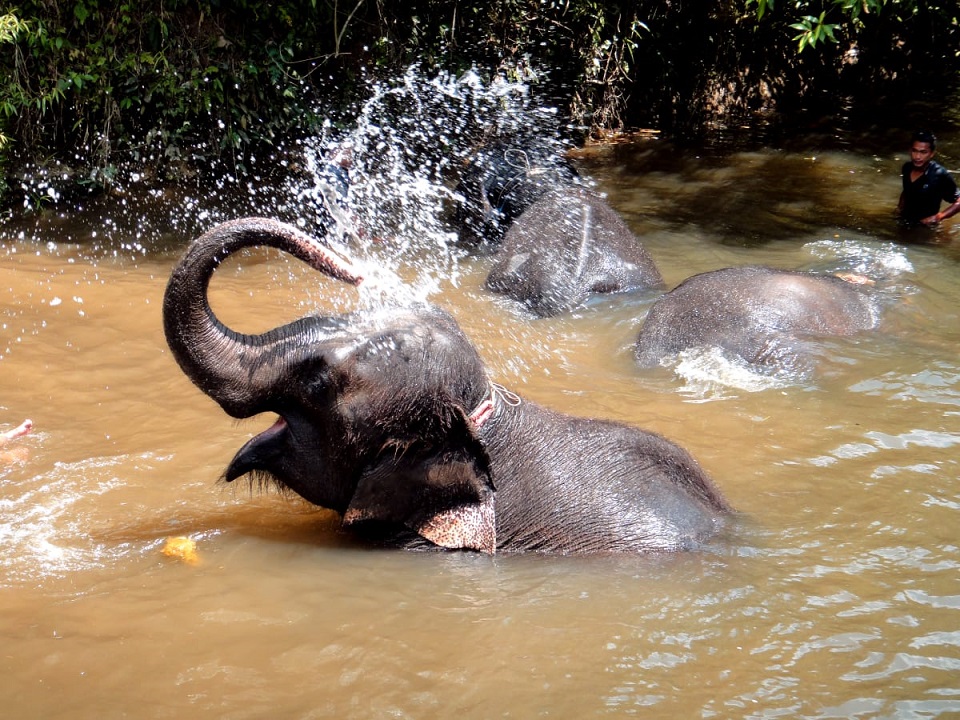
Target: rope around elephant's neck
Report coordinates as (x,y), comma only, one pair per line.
(485,410)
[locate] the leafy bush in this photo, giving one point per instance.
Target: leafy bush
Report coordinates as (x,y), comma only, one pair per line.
(175,86)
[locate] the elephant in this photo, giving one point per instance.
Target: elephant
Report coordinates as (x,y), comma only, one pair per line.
(389,417)
(568,245)
(500,182)
(554,240)
(759,315)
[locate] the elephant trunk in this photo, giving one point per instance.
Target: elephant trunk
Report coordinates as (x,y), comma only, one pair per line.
(231,367)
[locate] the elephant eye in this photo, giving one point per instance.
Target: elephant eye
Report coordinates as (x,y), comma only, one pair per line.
(317,380)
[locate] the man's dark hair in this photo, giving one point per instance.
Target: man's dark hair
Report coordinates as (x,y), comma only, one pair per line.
(925,136)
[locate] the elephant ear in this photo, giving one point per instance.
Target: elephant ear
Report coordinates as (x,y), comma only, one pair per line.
(443,490)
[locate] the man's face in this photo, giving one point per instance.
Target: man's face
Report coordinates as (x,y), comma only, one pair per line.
(920,154)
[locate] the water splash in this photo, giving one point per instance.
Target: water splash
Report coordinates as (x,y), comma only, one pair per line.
(40,527)
(407,146)
(709,374)
(407,142)
(882,262)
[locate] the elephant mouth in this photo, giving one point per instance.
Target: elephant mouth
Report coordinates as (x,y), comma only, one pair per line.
(259,453)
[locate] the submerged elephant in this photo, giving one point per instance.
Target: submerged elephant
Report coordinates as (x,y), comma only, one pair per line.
(569,245)
(500,182)
(555,242)
(759,315)
(390,418)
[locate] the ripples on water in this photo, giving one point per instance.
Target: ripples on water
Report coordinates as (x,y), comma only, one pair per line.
(835,595)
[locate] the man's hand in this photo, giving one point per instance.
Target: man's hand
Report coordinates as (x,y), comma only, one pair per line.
(22,429)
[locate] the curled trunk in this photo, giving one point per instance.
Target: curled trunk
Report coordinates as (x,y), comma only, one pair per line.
(233,368)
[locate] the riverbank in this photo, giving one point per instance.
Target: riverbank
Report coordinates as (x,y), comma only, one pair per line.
(94,93)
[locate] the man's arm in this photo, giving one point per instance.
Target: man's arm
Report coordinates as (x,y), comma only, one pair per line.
(22,429)
(950,211)
(951,195)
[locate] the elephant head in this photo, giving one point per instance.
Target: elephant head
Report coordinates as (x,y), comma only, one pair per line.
(389,418)
(500,182)
(374,407)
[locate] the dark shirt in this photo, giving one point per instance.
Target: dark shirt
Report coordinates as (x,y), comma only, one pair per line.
(921,199)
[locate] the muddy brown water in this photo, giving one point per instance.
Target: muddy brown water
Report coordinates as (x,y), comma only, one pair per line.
(837,596)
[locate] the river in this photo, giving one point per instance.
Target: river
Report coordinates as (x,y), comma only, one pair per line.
(837,596)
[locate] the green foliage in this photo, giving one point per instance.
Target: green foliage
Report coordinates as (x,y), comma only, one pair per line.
(176,87)
(175,84)
(848,14)
(11,28)
(607,62)
(582,51)
(813,30)
(164,81)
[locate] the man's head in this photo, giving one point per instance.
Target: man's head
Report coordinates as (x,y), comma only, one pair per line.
(925,136)
(923,147)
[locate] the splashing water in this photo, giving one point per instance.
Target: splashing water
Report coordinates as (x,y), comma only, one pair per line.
(410,141)
(878,261)
(709,374)
(406,144)
(35,520)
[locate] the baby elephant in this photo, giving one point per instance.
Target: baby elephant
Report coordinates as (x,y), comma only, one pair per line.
(390,418)
(758,315)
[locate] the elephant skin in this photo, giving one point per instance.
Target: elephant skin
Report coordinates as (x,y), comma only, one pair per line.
(389,417)
(759,315)
(555,242)
(569,245)
(500,182)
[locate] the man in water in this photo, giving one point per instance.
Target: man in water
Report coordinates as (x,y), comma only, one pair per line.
(925,184)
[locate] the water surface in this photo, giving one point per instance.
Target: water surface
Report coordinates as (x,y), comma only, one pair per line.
(837,596)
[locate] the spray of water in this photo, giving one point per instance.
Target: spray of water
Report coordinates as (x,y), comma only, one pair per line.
(405,144)
(406,148)
(37,525)
(877,261)
(709,374)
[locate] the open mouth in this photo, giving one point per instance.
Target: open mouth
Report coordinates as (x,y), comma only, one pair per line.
(259,453)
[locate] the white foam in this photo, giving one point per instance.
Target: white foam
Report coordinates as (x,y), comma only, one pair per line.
(872,259)
(711,375)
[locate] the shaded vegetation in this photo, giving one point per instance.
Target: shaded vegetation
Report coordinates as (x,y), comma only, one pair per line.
(171,86)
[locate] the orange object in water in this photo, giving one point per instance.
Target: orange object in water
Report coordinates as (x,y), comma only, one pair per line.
(183,549)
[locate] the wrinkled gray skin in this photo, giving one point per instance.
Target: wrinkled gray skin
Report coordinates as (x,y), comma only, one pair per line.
(567,246)
(759,315)
(555,242)
(375,423)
